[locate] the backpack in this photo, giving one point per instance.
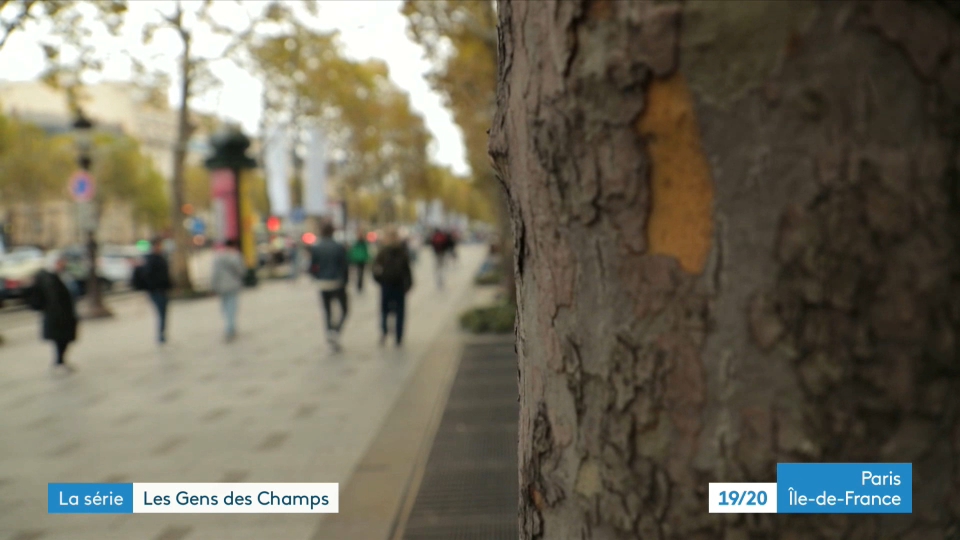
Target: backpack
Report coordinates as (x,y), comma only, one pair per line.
(391,271)
(139,279)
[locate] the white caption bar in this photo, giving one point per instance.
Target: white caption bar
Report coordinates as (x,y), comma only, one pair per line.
(230,498)
(743,498)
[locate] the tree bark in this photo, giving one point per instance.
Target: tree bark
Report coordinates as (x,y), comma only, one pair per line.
(737,228)
(181,256)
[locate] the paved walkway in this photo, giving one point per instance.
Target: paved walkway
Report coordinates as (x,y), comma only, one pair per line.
(274,406)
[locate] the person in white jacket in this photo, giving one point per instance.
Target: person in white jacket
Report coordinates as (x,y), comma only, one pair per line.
(227,281)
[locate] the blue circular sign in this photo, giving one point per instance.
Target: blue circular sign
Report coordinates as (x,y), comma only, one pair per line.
(81,187)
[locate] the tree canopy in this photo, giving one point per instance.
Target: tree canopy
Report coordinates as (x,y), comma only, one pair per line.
(309,79)
(35,167)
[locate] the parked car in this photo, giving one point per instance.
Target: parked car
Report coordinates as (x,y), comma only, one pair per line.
(115,265)
(17,270)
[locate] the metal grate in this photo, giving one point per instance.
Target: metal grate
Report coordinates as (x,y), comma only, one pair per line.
(469,488)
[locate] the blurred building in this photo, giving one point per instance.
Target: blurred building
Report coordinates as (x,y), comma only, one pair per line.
(120,107)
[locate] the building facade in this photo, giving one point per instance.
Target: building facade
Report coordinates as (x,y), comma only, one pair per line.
(113,106)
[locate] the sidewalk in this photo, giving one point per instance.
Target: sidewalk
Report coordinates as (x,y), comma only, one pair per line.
(274,406)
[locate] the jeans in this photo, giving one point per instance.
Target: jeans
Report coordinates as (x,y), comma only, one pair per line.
(159,299)
(328,298)
(360,271)
(392,299)
(228,303)
(441,264)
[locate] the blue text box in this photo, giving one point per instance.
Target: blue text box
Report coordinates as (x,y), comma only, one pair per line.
(89,498)
(844,488)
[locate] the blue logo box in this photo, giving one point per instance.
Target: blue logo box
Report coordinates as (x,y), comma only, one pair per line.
(89,498)
(844,488)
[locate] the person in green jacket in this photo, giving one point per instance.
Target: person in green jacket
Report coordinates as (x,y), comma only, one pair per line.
(359,257)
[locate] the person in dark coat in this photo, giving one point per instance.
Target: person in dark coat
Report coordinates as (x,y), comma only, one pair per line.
(53,299)
(153,277)
(391,269)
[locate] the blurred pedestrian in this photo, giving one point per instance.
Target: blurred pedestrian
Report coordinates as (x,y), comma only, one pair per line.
(438,241)
(294,248)
(50,295)
(227,282)
(359,257)
(451,244)
(391,269)
(153,277)
(330,267)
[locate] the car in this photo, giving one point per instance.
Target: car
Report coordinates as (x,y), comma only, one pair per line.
(114,265)
(17,270)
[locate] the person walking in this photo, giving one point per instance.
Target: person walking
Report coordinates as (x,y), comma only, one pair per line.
(50,295)
(391,269)
(153,277)
(330,267)
(439,242)
(359,257)
(226,282)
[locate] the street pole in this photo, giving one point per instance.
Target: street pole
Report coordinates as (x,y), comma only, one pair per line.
(96,309)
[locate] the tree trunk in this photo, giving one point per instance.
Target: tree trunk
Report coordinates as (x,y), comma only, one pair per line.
(737,228)
(181,256)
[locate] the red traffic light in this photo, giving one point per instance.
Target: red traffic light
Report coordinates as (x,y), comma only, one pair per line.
(273,224)
(309,238)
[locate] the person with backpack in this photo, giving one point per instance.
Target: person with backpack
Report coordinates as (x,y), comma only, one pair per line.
(330,267)
(359,257)
(391,269)
(439,243)
(153,277)
(226,282)
(50,296)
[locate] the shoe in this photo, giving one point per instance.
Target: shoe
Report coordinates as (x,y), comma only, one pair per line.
(383,340)
(65,369)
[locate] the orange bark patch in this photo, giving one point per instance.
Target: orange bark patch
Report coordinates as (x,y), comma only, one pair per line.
(600,10)
(681,206)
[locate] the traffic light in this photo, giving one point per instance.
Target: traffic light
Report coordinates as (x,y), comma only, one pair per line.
(273,224)
(309,238)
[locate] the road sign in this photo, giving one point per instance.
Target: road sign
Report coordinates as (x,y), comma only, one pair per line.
(81,186)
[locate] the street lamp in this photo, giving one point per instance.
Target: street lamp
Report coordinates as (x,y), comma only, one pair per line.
(83,132)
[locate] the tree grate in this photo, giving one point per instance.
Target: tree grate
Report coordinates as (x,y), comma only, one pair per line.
(469,488)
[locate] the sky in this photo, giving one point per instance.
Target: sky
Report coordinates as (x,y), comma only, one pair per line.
(368,28)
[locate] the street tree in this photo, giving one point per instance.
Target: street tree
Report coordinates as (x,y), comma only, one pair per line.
(33,167)
(308,79)
(67,26)
(737,228)
(126,175)
(460,42)
(195,78)
(65,16)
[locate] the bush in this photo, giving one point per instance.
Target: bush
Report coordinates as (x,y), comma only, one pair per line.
(492,277)
(491,273)
(497,319)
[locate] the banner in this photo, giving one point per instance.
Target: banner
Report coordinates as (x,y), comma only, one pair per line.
(247,219)
(315,174)
(194,498)
(435,213)
(820,488)
(223,194)
(278,166)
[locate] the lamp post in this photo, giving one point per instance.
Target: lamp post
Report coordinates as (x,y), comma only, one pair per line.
(230,157)
(83,130)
